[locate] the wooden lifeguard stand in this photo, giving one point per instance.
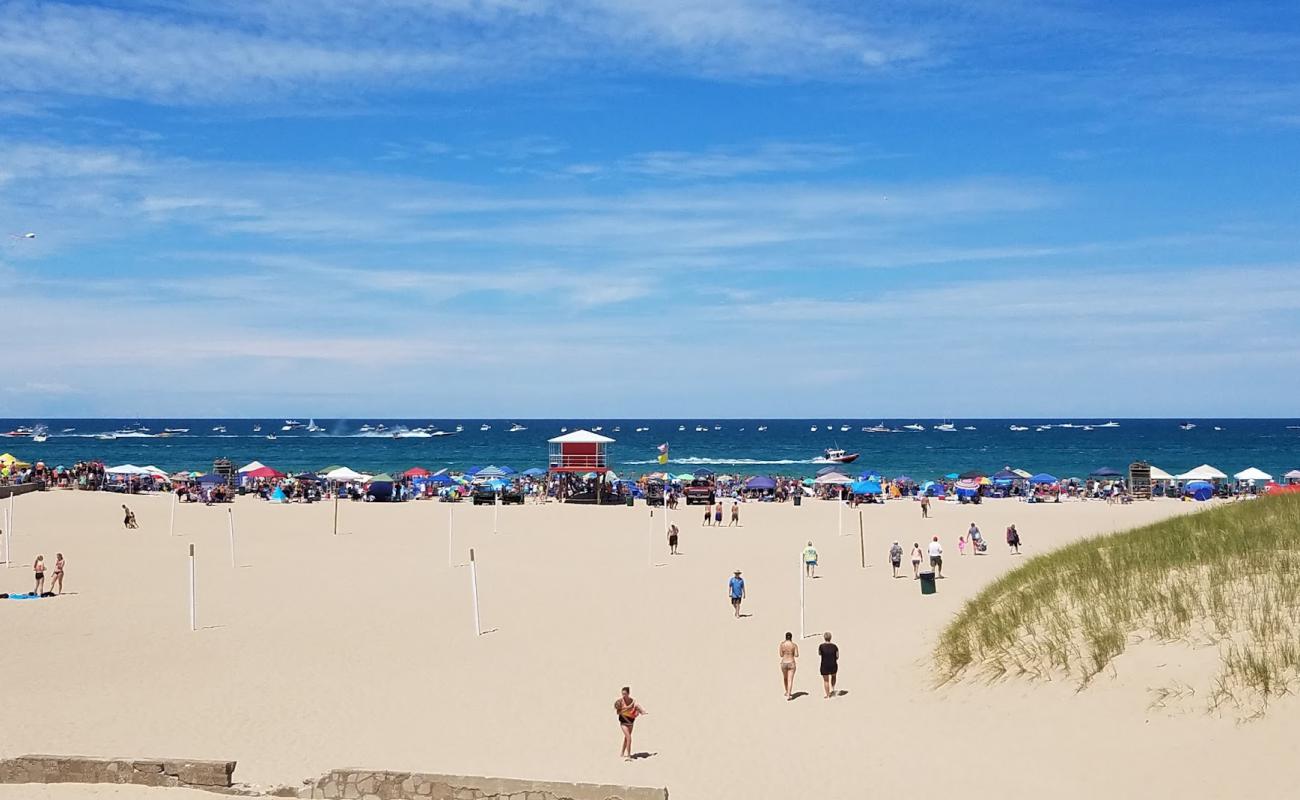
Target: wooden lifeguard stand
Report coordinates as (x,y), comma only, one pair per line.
(1139,480)
(580,451)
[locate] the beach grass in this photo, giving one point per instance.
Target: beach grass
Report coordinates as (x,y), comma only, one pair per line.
(1227,577)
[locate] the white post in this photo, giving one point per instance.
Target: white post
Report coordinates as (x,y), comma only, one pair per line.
(496,504)
(650,538)
(10,532)
(839,522)
(193,626)
(473,586)
(8,535)
(802,597)
(231,520)
(171,518)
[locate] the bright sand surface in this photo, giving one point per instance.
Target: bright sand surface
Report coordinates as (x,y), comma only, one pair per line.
(358,650)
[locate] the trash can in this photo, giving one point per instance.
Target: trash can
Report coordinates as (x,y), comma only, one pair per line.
(630,500)
(928,585)
(798,498)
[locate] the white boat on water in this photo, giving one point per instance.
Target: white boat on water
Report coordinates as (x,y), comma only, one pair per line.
(762,428)
(701,429)
(40,435)
(460,429)
(844,429)
(946,427)
(1187,426)
(914,427)
(312,427)
(1019,428)
(257,429)
(813,429)
(291,425)
(485,427)
(1110,424)
(106,437)
(418,433)
(881,428)
(969,428)
(270,437)
(681,427)
(1087,427)
(442,433)
(176,430)
(222,429)
(515,427)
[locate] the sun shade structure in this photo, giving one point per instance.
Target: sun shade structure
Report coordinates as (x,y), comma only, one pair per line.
(1202,473)
(262,472)
(251,466)
(578,451)
(1253,474)
(760,482)
(1042,479)
(833,478)
(866,487)
(490,472)
(1158,474)
(343,474)
(125,469)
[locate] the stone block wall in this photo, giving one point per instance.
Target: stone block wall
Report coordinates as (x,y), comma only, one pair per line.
(355,784)
(212,775)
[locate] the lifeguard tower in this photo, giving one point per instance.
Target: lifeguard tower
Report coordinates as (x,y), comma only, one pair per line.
(580,452)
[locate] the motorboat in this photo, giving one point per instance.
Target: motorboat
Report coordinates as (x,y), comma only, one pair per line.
(617,428)
(717,427)
(839,456)
(485,427)
(460,429)
(515,427)
(270,437)
(564,430)
(106,437)
(21,430)
(813,429)
(367,428)
(442,433)
(222,429)
(701,429)
(844,429)
(762,428)
(417,433)
(1019,428)
(914,427)
(969,428)
(176,430)
(40,434)
(881,428)
(1187,426)
(681,427)
(1087,427)
(257,429)
(1111,424)
(291,425)
(1217,428)
(598,429)
(312,427)
(946,427)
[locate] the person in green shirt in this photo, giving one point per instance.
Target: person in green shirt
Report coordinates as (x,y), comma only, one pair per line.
(810,560)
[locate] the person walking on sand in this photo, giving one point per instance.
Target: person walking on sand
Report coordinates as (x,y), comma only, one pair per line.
(38,566)
(925,506)
(735,513)
(789,652)
(916,560)
(717,515)
(830,655)
(936,557)
(628,710)
(961,545)
(810,560)
(128,518)
(708,515)
(736,591)
(56,580)
(895,556)
(672,539)
(1013,539)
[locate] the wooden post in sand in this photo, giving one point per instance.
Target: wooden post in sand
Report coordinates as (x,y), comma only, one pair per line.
(450,533)
(336,511)
(473,587)
(839,522)
(862,547)
(193,625)
(231,520)
(496,504)
(802,597)
(9,529)
(8,534)
(650,538)
(171,517)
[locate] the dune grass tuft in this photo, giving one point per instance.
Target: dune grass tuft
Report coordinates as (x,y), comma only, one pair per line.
(1228,576)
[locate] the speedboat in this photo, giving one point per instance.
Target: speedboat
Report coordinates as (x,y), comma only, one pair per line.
(40,434)
(222,429)
(701,429)
(969,428)
(564,430)
(460,429)
(106,437)
(1019,428)
(270,437)
(762,428)
(515,427)
(257,429)
(946,427)
(839,456)
(418,433)
(1187,426)
(681,427)
(21,430)
(1087,427)
(717,427)
(291,425)
(813,429)
(485,427)
(914,427)
(312,427)
(844,429)
(617,428)
(1217,428)
(598,428)
(176,430)
(442,433)
(1111,424)
(881,428)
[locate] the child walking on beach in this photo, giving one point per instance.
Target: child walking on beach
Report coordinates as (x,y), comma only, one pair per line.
(916,560)
(961,545)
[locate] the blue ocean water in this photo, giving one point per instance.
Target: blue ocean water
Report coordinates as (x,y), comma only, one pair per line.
(782,447)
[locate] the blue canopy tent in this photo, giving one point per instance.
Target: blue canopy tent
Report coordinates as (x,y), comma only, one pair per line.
(869,475)
(533,472)
(442,479)
(760,482)
(490,472)
(1199,490)
(703,473)
(308,477)
(866,487)
(508,470)
(932,488)
(1043,478)
(472,471)
(211,479)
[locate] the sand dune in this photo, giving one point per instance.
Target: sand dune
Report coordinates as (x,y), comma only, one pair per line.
(358,650)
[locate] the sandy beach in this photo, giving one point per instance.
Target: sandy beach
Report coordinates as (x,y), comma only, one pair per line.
(322,651)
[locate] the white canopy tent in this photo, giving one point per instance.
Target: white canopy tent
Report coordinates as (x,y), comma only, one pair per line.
(1202,473)
(834,478)
(152,470)
(343,474)
(125,469)
(1158,474)
(1293,475)
(1253,474)
(250,467)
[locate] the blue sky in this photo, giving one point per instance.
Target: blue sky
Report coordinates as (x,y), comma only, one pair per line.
(650,207)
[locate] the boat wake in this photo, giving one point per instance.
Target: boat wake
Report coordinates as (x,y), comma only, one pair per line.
(745,461)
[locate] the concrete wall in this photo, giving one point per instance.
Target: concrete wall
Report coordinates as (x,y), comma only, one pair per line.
(20,488)
(355,784)
(213,775)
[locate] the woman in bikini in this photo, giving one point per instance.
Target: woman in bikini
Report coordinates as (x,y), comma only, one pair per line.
(628,710)
(56,580)
(39,568)
(916,560)
(789,652)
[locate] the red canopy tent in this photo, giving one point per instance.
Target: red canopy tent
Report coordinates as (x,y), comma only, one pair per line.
(263,472)
(416,472)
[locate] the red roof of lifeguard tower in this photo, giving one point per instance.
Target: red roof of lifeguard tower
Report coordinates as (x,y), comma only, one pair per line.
(579,451)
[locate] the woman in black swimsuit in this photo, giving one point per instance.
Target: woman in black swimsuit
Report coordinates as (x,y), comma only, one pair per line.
(830,655)
(628,710)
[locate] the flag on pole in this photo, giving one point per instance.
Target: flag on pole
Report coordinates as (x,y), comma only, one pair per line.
(663,453)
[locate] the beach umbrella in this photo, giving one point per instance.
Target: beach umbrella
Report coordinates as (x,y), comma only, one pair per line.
(508,470)
(611,476)
(907,479)
(952,476)
(124,469)
(497,484)
(1105,472)
(1293,475)
(307,477)
(473,470)
(761,482)
(442,479)
(685,476)
(968,483)
(972,474)
(533,472)
(490,472)
(1043,478)
(1199,490)
(1020,473)
(866,487)
(808,481)
(1005,475)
